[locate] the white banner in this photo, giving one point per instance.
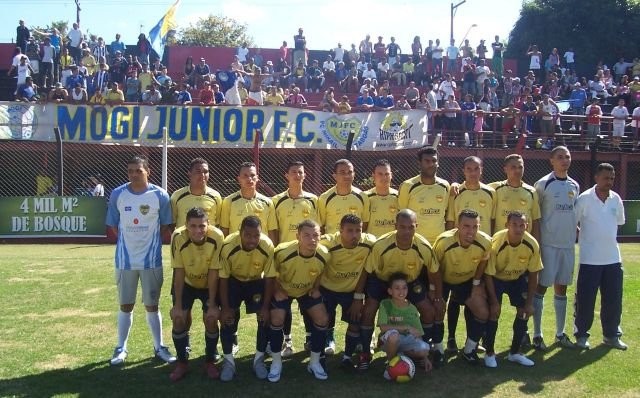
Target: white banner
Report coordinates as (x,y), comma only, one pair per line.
(225,127)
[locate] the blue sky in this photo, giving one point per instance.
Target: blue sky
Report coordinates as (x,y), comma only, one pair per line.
(325,22)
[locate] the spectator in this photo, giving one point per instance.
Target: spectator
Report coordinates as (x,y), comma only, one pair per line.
(338,54)
(89,62)
(218,96)
(482,73)
(133,87)
(421,72)
(164,79)
(448,86)
(168,93)
(258,58)
(184,96)
(370,74)
(28,92)
(370,87)
(450,119)
(48,56)
(273,98)
(384,101)
(78,95)
(299,48)
(350,57)
(468,108)
(58,94)
(115,96)
(366,48)
(412,94)
(408,68)
(394,51)
(201,73)
(284,51)
(75,42)
(242,52)
(315,77)
(570,59)
(383,69)
(74,79)
(33,51)
(133,65)
(343,106)
(117,45)
(143,48)
(156,66)
(379,50)
(151,96)
(23,70)
(300,75)
(481,50)
(329,68)
(22,36)
(423,103)
(535,60)
(97,99)
(243,94)
(118,68)
(469,80)
(437,53)
(146,77)
(620,115)
(351,83)
(98,185)
(296,99)
(365,101)
(206,94)
(402,104)
(620,68)
(361,66)
(100,51)
(452,57)
(189,71)
(416,49)
(398,74)
(328,102)
(255,94)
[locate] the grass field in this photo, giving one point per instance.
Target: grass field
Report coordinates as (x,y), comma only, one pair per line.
(58,331)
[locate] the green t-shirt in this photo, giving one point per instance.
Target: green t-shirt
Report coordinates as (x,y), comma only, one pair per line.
(389,314)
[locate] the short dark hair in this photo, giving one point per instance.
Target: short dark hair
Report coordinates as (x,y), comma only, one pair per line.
(350,219)
(468,213)
(398,276)
(340,162)
(381,162)
(307,223)
(558,149)
(197,161)
(427,150)
(139,159)
(513,156)
(406,213)
(469,159)
(605,167)
(294,163)
(196,212)
(245,164)
(250,222)
(515,214)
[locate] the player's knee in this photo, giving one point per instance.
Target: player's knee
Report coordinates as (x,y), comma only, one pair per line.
(353,328)
(178,323)
(126,307)
(427,313)
(151,308)
(277,317)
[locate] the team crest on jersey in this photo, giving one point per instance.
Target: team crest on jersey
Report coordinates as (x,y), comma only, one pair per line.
(256,264)
(313,273)
(353,210)
(257,298)
(522,259)
(571,194)
(306,213)
(523,202)
(475,260)
(359,260)
(417,288)
(439,198)
(144,209)
(482,203)
(336,131)
(257,212)
(411,265)
(393,209)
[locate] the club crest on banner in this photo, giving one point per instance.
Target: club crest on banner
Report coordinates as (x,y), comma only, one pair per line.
(336,131)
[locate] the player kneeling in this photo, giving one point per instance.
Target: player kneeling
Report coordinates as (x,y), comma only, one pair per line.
(299,264)
(195,250)
(400,326)
(246,275)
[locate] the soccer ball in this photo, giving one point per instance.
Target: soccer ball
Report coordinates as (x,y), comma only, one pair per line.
(401,369)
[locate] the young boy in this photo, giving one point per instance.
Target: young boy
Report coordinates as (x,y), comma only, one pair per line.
(399,323)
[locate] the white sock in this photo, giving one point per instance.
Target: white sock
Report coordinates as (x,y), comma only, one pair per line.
(314,357)
(276,358)
(125,320)
(154,320)
(560,304)
(439,347)
(229,357)
(287,337)
(469,346)
(258,357)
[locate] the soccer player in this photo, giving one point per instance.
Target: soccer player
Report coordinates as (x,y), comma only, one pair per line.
(558,194)
(299,264)
(514,251)
(463,253)
(342,199)
(427,195)
(196,194)
(402,250)
(600,212)
(399,323)
(513,194)
(349,250)
(475,195)
(383,200)
(195,250)
(246,275)
(138,213)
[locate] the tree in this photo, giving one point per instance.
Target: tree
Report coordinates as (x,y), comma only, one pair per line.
(215,31)
(597,30)
(62,26)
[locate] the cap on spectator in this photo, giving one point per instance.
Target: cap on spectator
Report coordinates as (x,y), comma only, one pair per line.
(269,63)
(206,83)
(202,59)
(59,85)
(577,84)
(118,52)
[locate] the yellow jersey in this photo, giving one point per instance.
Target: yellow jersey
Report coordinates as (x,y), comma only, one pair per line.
(295,273)
(382,212)
(459,264)
(508,262)
(183,200)
(481,200)
(196,259)
(246,265)
(345,266)
(235,208)
(332,207)
(523,198)
(292,211)
(386,258)
(430,202)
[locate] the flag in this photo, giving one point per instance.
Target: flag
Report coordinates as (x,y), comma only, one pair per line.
(158,35)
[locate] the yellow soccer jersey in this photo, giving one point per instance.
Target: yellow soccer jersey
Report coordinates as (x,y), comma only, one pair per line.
(459,264)
(295,273)
(382,212)
(246,265)
(235,208)
(386,258)
(343,270)
(430,202)
(332,207)
(290,212)
(480,200)
(183,200)
(196,260)
(507,262)
(508,199)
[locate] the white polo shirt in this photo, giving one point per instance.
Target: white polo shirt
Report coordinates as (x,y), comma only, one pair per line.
(599,223)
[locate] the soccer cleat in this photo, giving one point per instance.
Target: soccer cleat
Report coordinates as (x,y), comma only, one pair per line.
(228,370)
(275,372)
(452,346)
(317,371)
(119,356)
(583,343)
(260,369)
(179,372)
(364,360)
(347,364)
(437,358)
(330,349)
(538,344)
(212,371)
(164,354)
(520,359)
(288,349)
(615,342)
(565,341)
(471,357)
(490,361)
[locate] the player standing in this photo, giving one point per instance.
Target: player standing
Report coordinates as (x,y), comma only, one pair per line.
(558,194)
(138,213)
(196,194)
(383,200)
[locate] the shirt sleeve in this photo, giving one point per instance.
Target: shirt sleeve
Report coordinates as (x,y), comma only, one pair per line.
(113,214)
(620,211)
(272,220)
(403,196)
(166,217)
(383,316)
(176,255)
(225,213)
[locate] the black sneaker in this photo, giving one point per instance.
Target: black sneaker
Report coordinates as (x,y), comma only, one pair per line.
(538,344)
(347,364)
(437,358)
(471,357)
(452,346)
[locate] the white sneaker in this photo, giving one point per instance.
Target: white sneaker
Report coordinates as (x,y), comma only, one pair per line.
(119,356)
(615,342)
(164,354)
(490,361)
(275,371)
(521,359)
(317,371)
(288,349)
(330,349)
(228,370)
(583,343)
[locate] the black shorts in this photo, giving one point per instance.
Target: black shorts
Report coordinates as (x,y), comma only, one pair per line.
(304,302)
(251,292)
(516,290)
(191,294)
(459,292)
(377,289)
(333,299)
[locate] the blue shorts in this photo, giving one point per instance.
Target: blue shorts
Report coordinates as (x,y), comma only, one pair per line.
(377,289)
(459,292)
(304,302)
(251,292)
(191,294)
(333,299)
(516,290)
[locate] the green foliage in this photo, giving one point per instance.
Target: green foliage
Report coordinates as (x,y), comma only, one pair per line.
(597,30)
(62,26)
(215,31)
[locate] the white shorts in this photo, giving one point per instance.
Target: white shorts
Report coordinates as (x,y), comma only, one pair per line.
(232,96)
(255,98)
(558,266)
(618,130)
(408,342)
(127,281)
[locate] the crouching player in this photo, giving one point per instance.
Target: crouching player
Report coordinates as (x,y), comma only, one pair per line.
(349,250)
(246,275)
(399,323)
(299,264)
(463,253)
(195,250)
(513,252)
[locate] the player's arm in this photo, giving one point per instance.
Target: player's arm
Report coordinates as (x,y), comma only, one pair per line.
(355,310)
(212,282)
(274,235)
(535,229)
(226,315)
(532,285)
(315,290)
(178,287)
(265,311)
